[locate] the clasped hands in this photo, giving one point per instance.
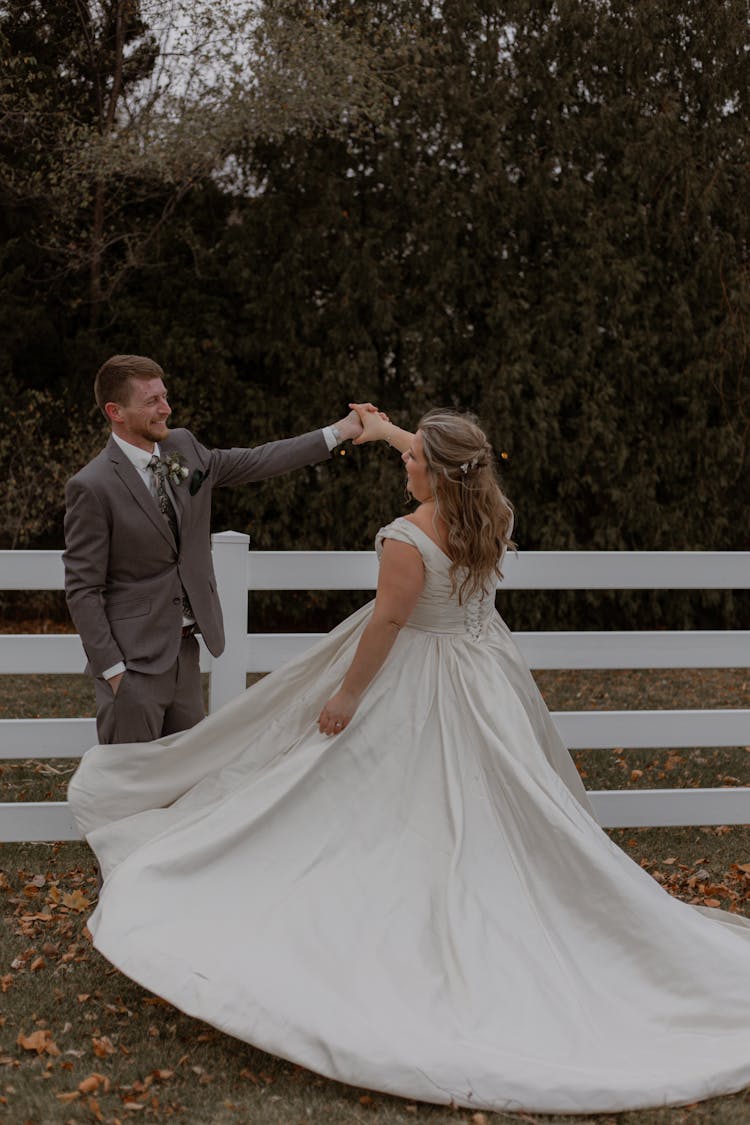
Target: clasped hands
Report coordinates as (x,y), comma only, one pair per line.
(362,423)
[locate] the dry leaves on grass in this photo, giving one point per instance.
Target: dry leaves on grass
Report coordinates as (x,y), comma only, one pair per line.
(92,1084)
(40,1041)
(693,883)
(103,1046)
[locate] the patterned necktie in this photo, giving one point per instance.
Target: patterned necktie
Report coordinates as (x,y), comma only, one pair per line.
(166,507)
(164,500)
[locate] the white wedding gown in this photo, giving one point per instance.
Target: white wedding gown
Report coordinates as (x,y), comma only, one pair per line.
(421,905)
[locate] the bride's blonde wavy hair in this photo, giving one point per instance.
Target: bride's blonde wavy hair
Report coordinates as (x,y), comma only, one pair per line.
(478,515)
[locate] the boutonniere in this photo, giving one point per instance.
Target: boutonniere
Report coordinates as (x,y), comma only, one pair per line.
(172,467)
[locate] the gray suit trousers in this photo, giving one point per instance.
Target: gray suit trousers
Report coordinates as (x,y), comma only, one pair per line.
(151,706)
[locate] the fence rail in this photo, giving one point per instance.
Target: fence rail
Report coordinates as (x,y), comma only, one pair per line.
(239,571)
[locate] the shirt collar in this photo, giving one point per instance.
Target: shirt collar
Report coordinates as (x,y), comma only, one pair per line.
(138,457)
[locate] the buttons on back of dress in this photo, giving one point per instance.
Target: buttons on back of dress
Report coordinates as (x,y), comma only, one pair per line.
(476,613)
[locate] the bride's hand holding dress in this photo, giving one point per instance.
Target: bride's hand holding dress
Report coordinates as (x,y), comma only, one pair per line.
(401,577)
(400,582)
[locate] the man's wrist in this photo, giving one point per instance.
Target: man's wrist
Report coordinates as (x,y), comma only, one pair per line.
(332,436)
(115,670)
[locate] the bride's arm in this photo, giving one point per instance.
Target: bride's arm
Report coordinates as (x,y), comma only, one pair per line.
(377,427)
(400,583)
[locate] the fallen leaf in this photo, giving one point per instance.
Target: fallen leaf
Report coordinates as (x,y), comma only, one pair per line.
(103,1046)
(37,964)
(93,1082)
(93,1107)
(711,902)
(76,900)
(70,1097)
(39,1041)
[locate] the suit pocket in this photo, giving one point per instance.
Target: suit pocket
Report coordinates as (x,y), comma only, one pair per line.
(196,482)
(121,608)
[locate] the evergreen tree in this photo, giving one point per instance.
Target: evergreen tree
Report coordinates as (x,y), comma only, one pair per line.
(543,222)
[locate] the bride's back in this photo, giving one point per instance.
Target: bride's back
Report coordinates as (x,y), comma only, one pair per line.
(463,510)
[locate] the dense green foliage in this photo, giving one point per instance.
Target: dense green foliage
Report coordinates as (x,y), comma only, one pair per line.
(545,222)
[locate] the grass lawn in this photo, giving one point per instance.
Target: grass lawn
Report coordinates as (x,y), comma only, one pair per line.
(79,1042)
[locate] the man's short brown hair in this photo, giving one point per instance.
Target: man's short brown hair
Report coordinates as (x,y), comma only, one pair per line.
(112,382)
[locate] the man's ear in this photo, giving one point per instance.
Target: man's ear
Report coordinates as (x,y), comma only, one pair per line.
(113,410)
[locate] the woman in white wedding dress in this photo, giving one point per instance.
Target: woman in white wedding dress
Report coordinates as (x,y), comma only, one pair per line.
(380,862)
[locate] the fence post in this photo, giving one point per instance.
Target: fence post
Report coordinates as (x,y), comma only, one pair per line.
(228,671)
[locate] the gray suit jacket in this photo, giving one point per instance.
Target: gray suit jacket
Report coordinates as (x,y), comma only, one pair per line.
(123,571)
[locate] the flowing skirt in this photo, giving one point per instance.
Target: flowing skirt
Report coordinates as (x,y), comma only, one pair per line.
(422,905)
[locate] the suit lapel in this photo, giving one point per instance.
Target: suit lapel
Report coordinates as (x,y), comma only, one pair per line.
(127,474)
(178,492)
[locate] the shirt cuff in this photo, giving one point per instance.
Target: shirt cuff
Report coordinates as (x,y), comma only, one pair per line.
(330,438)
(115,670)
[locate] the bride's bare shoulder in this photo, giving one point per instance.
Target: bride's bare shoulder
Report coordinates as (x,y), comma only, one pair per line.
(426,519)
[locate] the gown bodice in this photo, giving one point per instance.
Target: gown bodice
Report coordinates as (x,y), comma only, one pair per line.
(438,609)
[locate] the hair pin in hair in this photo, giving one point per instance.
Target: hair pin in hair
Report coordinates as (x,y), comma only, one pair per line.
(469,465)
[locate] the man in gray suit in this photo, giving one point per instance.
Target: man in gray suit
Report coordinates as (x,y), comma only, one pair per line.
(139,579)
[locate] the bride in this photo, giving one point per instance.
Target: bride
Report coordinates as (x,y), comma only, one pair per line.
(380,863)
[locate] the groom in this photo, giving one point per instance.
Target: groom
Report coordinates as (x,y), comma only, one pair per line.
(139,580)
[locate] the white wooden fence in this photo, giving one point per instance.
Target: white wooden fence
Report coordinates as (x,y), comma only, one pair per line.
(238,570)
